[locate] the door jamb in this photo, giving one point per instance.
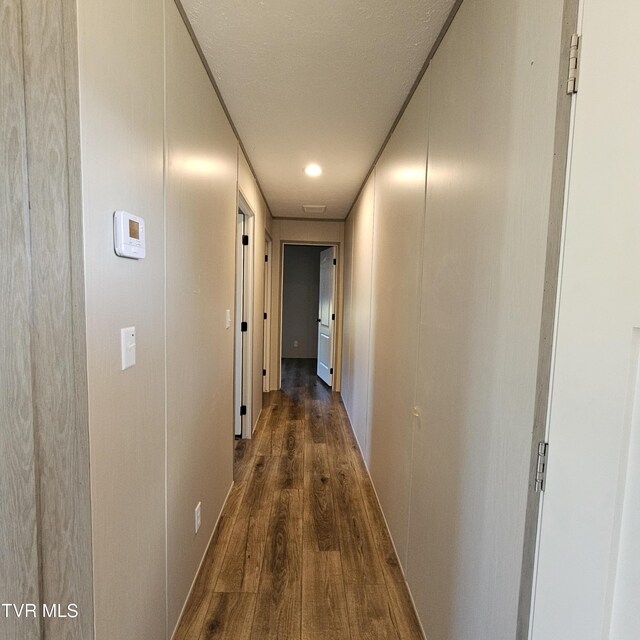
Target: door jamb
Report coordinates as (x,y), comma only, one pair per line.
(336,355)
(247,355)
(268,279)
(564,111)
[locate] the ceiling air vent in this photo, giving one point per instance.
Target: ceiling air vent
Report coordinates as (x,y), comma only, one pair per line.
(314,209)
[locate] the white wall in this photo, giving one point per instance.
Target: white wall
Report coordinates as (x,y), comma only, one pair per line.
(121,58)
(301,293)
(395,309)
(385,231)
(490,162)
(455,312)
(357,314)
(201,193)
(176,298)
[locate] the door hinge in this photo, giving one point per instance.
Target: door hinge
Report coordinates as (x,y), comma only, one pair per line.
(541,466)
(333,316)
(335,261)
(574,64)
(331,371)
(245,240)
(243,409)
(265,315)
(264,372)
(244,326)
(266,258)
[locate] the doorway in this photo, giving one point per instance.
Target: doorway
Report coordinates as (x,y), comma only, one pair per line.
(243,409)
(266,356)
(308,316)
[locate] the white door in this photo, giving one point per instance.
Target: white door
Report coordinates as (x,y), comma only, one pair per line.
(326,316)
(588,572)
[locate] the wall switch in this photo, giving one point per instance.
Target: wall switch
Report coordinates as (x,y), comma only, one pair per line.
(128,347)
(198,516)
(227,319)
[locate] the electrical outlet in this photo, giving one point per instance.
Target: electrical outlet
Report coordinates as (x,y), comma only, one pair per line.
(198,516)
(296,343)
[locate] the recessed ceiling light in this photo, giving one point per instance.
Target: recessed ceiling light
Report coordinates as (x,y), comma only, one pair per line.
(313,170)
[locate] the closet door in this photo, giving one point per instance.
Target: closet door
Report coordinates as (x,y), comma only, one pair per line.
(18,506)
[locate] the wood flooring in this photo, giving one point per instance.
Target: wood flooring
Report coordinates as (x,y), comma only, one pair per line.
(301,551)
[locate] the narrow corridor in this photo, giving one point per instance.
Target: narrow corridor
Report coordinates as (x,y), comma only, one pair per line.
(301,550)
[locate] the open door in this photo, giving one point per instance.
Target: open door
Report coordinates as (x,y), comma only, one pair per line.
(326,316)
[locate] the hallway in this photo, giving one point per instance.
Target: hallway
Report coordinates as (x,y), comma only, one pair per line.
(301,550)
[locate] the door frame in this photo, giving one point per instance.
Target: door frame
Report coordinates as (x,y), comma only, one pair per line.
(336,352)
(246,394)
(268,278)
(565,106)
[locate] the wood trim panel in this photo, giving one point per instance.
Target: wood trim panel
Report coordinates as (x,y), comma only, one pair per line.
(18,506)
(58,329)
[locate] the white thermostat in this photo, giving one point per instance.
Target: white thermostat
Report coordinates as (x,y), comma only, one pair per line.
(128,235)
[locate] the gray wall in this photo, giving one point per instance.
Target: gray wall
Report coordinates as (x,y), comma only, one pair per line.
(300,301)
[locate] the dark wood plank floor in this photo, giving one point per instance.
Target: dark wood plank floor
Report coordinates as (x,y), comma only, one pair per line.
(301,551)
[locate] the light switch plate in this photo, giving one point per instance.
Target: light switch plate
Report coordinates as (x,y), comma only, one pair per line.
(128,347)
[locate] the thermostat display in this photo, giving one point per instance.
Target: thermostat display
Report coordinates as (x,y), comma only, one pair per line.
(128,235)
(134,229)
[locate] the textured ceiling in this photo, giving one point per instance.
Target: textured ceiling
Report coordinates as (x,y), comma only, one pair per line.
(314,81)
